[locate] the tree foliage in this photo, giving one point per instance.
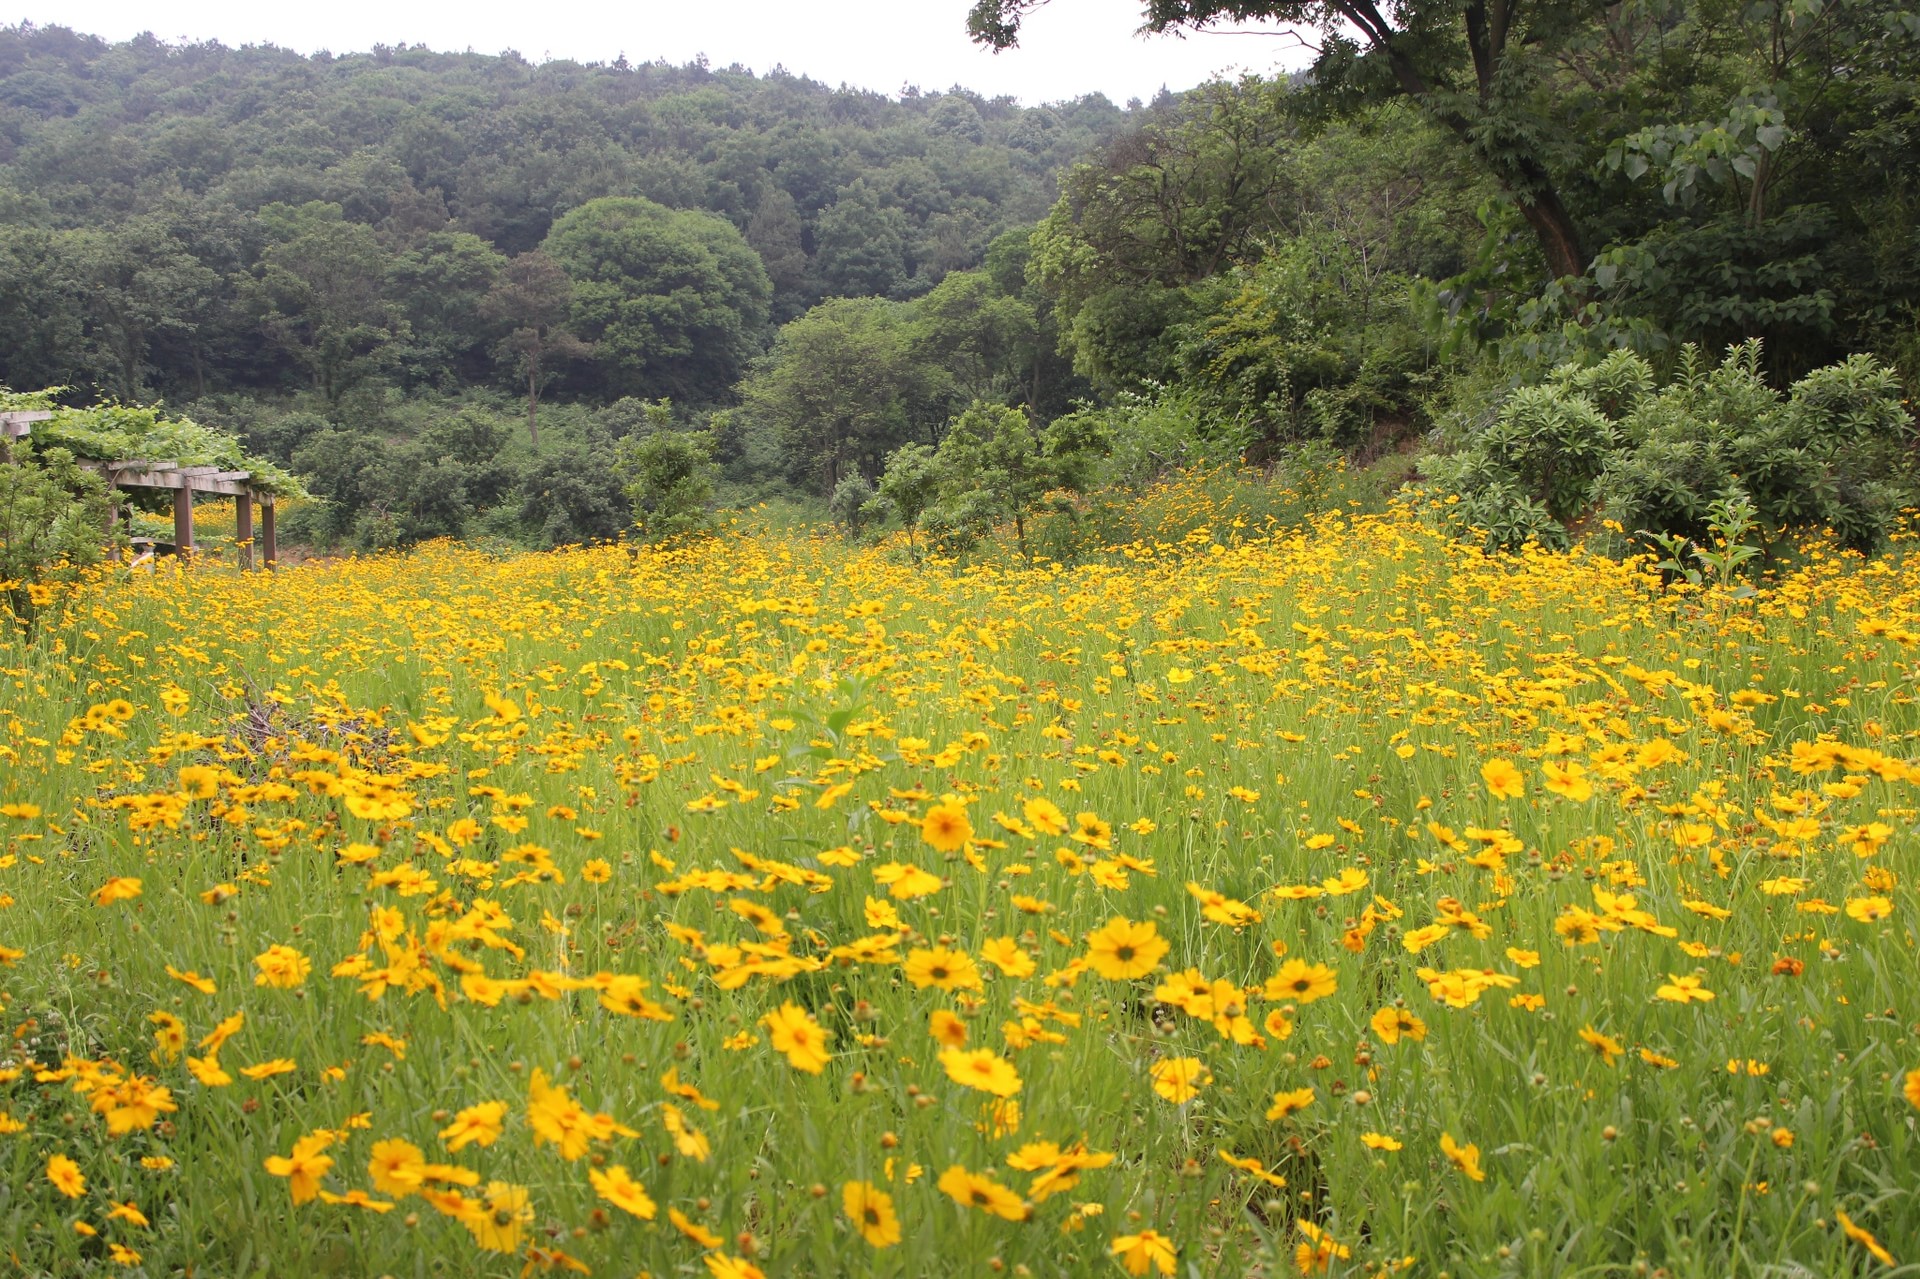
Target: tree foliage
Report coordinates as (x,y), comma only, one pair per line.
(52,526)
(670,478)
(673,300)
(1607,440)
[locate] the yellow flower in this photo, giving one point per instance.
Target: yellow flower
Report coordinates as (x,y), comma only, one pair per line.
(1254,1167)
(169,1037)
(942,968)
(207,1070)
(1864,1238)
(981,1068)
(793,1031)
(1290,1103)
(1045,816)
(1121,950)
(268,1069)
(499,1216)
(1503,780)
(1148,1250)
(398,1168)
(1567,780)
(977,1190)
(1390,1024)
(1869,910)
(1684,990)
(1911,1088)
(871,1212)
(356,1198)
(1608,1047)
(118,889)
(1465,1158)
(617,1186)
(305,1166)
(1008,956)
(946,827)
(281,967)
(66,1176)
(1379,1141)
(1179,1079)
(1317,1250)
(1301,982)
(905,882)
(947,1029)
(692,1229)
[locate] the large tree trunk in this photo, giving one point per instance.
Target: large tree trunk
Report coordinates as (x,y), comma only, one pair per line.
(1525,178)
(1559,241)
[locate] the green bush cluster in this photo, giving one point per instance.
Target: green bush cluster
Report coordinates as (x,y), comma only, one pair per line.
(1608,443)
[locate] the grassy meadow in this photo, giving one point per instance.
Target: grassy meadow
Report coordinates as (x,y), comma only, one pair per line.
(1340,901)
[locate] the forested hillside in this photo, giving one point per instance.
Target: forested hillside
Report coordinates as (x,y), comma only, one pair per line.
(179,220)
(466,295)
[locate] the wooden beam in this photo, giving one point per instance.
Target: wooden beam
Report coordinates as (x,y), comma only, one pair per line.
(152,475)
(20,422)
(171,475)
(268,545)
(183,522)
(243,530)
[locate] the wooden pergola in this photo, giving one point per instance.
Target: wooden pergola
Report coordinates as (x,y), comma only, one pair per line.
(184,482)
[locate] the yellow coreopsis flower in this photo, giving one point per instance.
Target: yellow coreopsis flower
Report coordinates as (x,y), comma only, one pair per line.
(977,1190)
(1465,1158)
(1148,1250)
(305,1166)
(1290,1103)
(981,1068)
(1503,780)
(946,827)
(1121,950)
(1179,1079)
(66,1176)
(618,1187)
(793,1031)
(871,1212)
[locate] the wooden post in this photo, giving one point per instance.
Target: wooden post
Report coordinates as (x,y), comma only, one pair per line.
(113,522)
(268,545)
(243,529)
(183,522)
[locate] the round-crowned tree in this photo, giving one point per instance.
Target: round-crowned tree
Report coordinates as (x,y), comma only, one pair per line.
(674,300)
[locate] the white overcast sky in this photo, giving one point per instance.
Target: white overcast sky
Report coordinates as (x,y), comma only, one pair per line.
(1069,47)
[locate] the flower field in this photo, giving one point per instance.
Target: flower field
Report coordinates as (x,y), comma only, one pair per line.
(1341,902)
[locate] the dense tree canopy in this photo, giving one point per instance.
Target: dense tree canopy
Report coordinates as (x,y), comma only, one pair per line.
(943,308)
(180,219)
(1703,169)
(674,301)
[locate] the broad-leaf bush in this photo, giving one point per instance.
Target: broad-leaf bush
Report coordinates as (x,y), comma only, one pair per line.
(1834,452)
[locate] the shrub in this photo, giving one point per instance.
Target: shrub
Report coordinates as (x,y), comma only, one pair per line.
(852,502)
(1833,452)
(669,478)
(910,484)
(52,525)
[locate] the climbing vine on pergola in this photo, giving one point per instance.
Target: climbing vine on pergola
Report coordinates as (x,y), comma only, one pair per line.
(243,486)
